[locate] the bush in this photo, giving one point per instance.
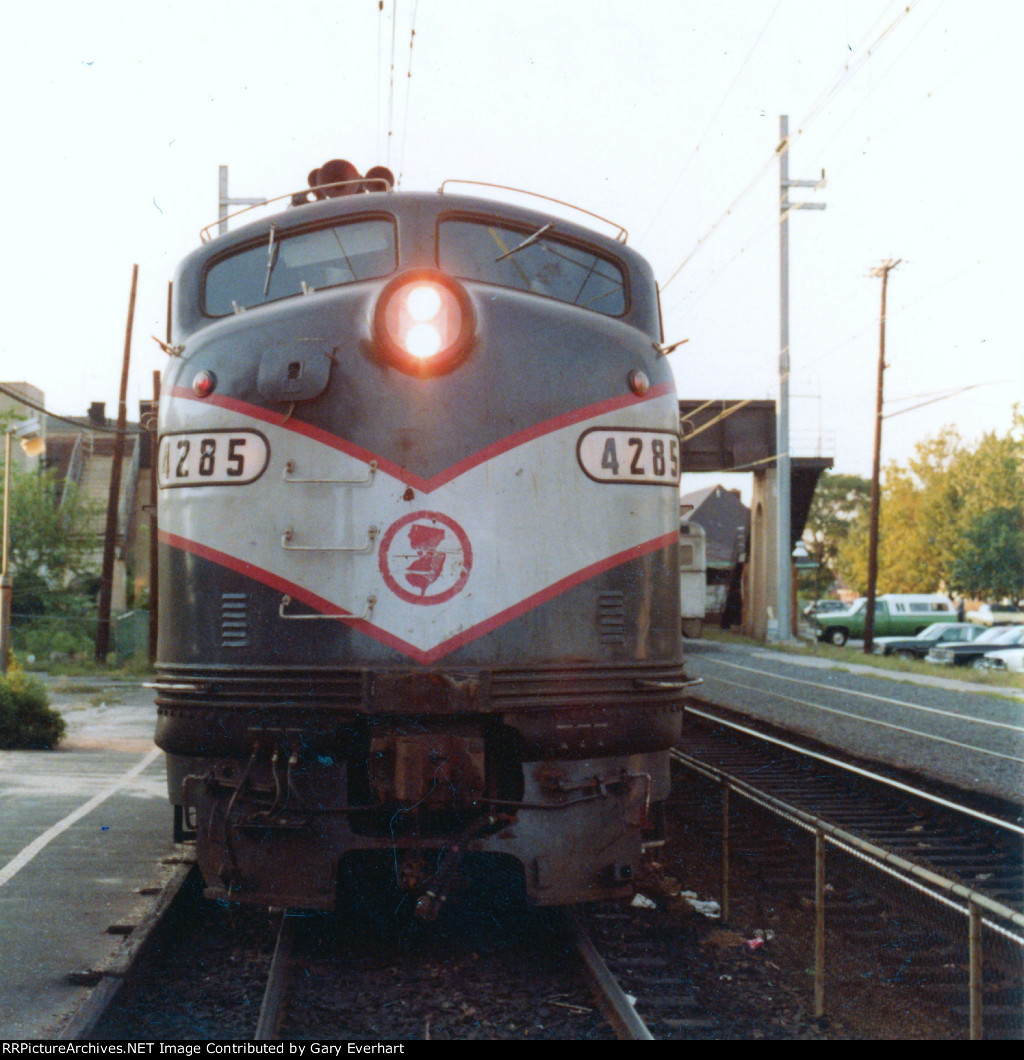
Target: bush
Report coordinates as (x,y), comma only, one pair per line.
(54,636)
(27,721)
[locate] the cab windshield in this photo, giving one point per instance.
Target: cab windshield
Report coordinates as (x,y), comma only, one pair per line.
(536,261)
(282,266)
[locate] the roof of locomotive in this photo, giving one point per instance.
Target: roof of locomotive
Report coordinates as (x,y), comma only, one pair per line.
(401,202)
(417,212)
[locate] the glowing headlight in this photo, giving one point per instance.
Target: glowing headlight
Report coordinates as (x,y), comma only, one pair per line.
(423,322)
(424,302)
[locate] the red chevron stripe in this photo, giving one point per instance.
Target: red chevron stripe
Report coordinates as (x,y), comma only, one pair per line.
(425,485)
(325,607)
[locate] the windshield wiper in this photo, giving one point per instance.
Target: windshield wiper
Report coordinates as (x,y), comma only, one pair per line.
(271,259)
(527,242)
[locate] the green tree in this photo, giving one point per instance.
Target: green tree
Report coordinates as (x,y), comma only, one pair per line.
(48,548)
(839,500)
(990,563)
(938,528)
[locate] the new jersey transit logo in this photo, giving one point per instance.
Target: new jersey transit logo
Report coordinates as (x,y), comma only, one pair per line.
(425,558)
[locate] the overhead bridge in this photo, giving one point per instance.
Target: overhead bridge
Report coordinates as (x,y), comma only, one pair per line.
(739,435)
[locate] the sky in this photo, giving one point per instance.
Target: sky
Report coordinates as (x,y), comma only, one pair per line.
(662,115)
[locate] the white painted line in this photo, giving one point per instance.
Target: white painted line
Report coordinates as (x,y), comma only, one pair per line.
(20,860)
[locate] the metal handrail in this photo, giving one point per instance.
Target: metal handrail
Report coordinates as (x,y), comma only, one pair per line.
(620,238)
(204,232)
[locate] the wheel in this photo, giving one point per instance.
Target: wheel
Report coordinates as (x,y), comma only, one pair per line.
(838,637)
(906,654)
(979,663)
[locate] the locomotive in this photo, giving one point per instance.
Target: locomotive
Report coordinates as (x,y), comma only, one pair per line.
(418,472)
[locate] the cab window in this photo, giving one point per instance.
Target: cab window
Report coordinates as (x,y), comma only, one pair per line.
(282,266)
(479,250)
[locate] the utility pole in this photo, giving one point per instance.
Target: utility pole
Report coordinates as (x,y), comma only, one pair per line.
(783,467)
(114,492)
(224,201)
(882,270)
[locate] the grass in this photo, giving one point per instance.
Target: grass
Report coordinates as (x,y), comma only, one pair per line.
(88,667)
(854,656)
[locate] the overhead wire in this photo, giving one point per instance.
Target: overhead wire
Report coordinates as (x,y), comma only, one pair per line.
(763,229)
(890,313)
(36,407)
(941,397)
(380,43)
(848,72)
(708,127)
(408,88)
(877,83)
(391,83)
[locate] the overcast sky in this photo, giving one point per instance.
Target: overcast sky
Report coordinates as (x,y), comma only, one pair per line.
(663,116)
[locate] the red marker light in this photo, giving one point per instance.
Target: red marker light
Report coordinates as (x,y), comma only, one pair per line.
(204,384)
(423,322)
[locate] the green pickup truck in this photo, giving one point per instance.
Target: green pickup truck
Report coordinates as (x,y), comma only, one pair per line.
(896,615)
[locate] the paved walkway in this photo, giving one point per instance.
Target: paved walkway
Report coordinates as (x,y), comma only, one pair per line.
(85,829)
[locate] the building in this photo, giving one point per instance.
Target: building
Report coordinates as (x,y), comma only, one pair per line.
(80,451)
(725,520)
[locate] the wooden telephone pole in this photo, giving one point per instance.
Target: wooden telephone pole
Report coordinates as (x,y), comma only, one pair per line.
(882,270)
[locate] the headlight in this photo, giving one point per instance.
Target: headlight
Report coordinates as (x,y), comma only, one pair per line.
(423,322)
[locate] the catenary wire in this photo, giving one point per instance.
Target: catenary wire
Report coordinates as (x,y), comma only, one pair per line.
(849,71)
(707,129)
(408,89)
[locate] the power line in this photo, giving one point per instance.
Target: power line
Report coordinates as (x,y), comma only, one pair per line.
(849,71)
(408,88)
(21,399)
(380,42)
(941,397)
(391,83)
(714,118)
(757,234)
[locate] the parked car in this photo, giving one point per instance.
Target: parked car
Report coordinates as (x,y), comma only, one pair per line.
(820,607)
(973,653)
(1005,660)
(896,614)
(919,646)
(997,615)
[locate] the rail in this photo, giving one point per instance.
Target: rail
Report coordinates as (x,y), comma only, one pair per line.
(616,1006)
(981,912)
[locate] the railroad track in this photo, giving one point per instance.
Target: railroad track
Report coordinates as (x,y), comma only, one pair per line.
(313,990)
(488,973)
(927,891)
(495,972)
(981,849)
(480,973)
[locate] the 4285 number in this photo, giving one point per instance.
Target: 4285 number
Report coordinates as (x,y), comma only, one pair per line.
(211,458)
(629,456)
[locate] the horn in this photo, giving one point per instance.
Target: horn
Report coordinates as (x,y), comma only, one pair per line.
(337,169)
(380,173)
(313,180)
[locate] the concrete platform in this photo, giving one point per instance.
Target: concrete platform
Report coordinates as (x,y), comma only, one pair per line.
(85,828)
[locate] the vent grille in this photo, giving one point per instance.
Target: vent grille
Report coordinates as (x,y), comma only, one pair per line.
(611,618)
(234,620)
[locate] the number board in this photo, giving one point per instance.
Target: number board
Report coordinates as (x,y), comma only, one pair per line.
(617,454)
(212,458)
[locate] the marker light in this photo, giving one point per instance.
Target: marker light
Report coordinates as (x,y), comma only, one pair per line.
(423,322)
(204,383)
